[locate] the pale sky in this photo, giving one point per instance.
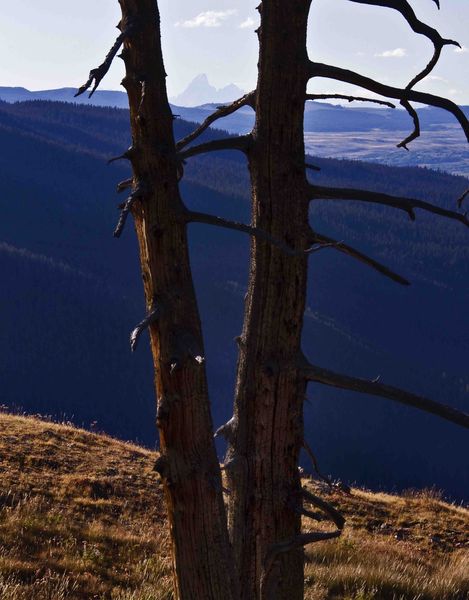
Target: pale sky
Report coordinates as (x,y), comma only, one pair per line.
(53,43)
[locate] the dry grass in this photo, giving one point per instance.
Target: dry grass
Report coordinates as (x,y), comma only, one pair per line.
(81,517)
(412,547)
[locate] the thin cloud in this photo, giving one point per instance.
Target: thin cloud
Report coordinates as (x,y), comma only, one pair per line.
(209,18)
(249,23)
(396,53)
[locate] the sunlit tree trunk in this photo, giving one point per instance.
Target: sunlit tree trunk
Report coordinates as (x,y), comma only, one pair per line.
(268,421)
(265,435)
(188,464)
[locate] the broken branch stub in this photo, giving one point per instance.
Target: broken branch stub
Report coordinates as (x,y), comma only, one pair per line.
(98,74)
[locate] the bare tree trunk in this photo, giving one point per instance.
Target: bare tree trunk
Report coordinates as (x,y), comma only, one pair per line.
(266,433)
(189,466)
(267,429)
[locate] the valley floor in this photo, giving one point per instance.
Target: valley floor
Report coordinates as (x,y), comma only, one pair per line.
(442,149)
(82,517)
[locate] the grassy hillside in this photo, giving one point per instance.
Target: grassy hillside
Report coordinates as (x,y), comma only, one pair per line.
(82,517)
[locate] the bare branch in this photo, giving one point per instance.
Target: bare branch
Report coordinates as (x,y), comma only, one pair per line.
(408,205)
(433,35)
(462,198)
(403,7)
(126,207)
(302,540)
(197,217)
(124,185)
(125,210)
(127,155)
(322,246)
(268,582)
(268,578)
(223,111)
(240,143)
(341,247)
(409,15)
(275,550)
(147,321)
(226,431)
(315,516)
(374,388)
(431,65)
(332,513)
(415,118)
(98,74)
(347,76)
(348,98)
(315,463)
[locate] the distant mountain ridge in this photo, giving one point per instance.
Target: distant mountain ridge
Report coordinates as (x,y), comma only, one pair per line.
(110,98)
(319,116)
(198,93)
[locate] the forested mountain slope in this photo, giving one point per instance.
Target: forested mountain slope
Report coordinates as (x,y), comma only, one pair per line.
(358,130)
(71,294)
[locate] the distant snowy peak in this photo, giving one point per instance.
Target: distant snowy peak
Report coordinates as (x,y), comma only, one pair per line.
(200,91)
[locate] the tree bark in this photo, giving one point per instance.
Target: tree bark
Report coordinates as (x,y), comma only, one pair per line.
(190,470)
(267,429)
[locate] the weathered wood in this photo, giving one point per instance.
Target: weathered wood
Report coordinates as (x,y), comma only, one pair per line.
(265,434)
(202,561)
(376,388)
(268,420)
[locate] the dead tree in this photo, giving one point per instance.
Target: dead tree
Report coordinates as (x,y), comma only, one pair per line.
(265,435)
(188,464)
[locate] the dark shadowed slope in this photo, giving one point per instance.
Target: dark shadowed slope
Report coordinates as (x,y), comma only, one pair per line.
(72,294)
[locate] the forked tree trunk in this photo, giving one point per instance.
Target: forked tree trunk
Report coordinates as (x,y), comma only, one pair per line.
(189,466)
(267,429)
(266,433)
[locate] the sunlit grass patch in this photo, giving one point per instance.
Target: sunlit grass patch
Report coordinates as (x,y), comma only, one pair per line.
(82,518)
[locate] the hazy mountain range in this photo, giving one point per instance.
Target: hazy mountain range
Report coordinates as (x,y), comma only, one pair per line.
(71,294)
(354,131)
(200,91)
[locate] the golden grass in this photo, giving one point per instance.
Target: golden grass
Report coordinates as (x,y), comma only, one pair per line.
(82,517)
(412,547)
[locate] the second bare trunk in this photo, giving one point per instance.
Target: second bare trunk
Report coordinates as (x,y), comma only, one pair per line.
(267,432)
